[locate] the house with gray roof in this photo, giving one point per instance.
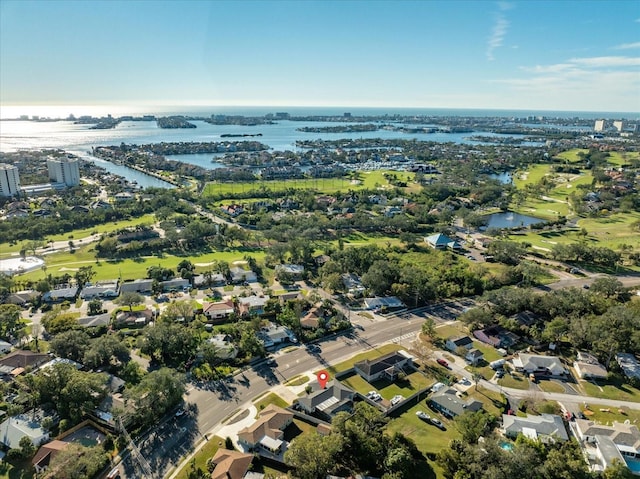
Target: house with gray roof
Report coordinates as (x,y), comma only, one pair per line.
(384,367)
(325,403)
(455,342)
(137,286)
(442,242)
(537,364)
(69,293)
(240,275)
(100,289)
(629,365)
(544,428)
(95,321)
(28,424)
(449,404)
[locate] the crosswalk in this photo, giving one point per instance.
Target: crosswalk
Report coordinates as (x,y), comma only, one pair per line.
(399,339)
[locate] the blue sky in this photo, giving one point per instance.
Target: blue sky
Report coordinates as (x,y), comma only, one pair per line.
(540,55)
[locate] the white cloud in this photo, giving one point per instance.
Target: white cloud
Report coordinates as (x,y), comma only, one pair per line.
(499,30)
(592,83)
(627,46)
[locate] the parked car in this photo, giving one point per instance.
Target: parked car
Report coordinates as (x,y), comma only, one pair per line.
(423,415)
(271,362)
(499,373)
(397,399)
(180,412)
(438,424)
(437,387)
(374,396)
(442,362)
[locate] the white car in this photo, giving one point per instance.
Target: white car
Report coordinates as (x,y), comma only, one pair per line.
(398,398)
(437,387)
(374,396)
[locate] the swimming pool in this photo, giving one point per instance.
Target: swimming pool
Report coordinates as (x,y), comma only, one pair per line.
(507,446)
(633,463)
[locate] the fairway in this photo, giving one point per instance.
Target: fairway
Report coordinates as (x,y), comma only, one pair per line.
(358,181)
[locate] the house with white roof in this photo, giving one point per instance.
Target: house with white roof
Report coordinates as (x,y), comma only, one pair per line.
(28,425)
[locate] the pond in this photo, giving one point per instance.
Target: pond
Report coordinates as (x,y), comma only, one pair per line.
(509,219)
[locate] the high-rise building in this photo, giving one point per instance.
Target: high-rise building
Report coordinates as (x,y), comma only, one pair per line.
(9,180)
(618,125)
(64,170)
(599,126)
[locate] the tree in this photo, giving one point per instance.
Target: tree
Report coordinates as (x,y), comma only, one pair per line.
(9,319)
(428,328)
(70,344)
(26,447)
(131,299)
(158,392)
(179,311)
(617,470)
(312,456)
(77,462)
(106,350)
(609,287)
(472,425)
(95,307)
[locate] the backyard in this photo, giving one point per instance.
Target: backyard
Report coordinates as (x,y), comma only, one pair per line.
(406,386)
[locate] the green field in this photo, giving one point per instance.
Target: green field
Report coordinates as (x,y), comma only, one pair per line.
(413,383)
(362,180)
(7,249)
(65,262)
(611,390)
(374,353)
(208,450)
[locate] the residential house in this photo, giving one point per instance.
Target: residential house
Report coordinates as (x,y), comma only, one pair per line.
(273,335)
(384,367)
(314,318)
(536,364)
(442,242)
(215,279)
(252,305)
(474,356)
(22,359)
(353,284)
(175,284)
(496,336)
(629,365)
(101,289)
(22,298)
(62,294)
(295,270)
(386,303)
(267,433)
(223,343)
(28,425)
(587,366)
(603,444)
(232,210)
(95,321)
(325,403)
(133,318)
(455,342)
(526,318)
(5,347)
(48,451)
(544,428)
(288,296)
(240,275)
(137,286)
(449,403)
(218,311)
(230,464)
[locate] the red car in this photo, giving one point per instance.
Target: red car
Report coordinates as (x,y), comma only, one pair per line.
(442,362)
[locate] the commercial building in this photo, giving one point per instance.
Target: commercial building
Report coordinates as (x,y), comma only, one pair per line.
(9,180)
(599,125)
(64,170)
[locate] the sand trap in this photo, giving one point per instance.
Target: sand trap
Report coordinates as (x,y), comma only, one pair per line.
(18,265)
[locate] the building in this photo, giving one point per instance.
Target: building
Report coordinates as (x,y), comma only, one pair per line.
(240,275)
(603,444)
(325,403)
(536,364)
(9,180)
(442,242)
(453,343)
(267,433)
(384,367)
(43,457)
(474,356)
(496,336)
(230,464)
(273,335)
(544,428)
(100,289)
(588,367)
(137,286)
(252,305)
(223,344)
(64,170)
(447,402)
(218,311)
(629,365)
(599,125)
(618,125)
(386,303)
(28,425)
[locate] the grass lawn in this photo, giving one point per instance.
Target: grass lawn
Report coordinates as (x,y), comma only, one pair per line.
(428,438)
(544,209)
(271,398)
(374,353)
(405,387)
(297,381)
(620,158)
(207,451)
(514,380)
(531,176)
(611,390)
(571,155)
(550,386)
(296,428)
(59,263)
(608,414)
(366,180)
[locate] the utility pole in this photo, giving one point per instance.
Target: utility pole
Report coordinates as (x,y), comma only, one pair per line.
(144,465)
